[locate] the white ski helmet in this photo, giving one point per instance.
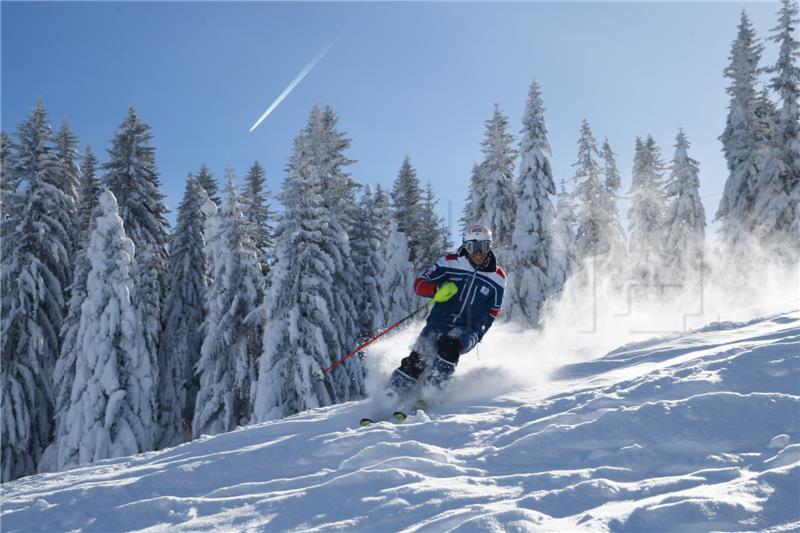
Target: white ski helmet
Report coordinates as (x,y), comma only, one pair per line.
(476,232)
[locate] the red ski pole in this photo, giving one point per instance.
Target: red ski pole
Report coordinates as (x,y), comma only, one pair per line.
(373,339)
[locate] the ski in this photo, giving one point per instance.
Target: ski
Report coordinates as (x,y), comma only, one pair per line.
(398,417)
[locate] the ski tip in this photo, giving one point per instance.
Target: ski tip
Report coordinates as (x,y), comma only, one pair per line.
(364,422)
(399,416)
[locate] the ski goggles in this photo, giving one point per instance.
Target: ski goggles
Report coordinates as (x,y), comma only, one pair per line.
(478,246)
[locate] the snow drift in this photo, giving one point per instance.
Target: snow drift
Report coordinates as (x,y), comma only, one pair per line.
(698,431)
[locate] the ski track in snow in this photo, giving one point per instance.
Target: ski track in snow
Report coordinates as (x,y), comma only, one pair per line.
(697,432)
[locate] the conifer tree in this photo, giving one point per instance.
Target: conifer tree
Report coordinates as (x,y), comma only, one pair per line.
(321,156)
(532,240)
(5,151)
(383,214)
(433,238)
(8,183)
(646,214)
(307,308)
(398,280)
(777,210)
(183,319)
(258,214)
(563,259)
(498,171)
(598,233)
(339,188)
(617,239)
(230,348)
(89,189)
(743,138)
(685,220)
(209,184)
(369,262)
(64,375)
(111,411)
(610,170)
(66,150)
(475,206)
(588,188)
(407,208)
(328,162)
(132,176)
(34,272)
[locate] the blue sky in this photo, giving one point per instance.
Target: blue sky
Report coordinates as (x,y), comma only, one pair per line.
(415,79)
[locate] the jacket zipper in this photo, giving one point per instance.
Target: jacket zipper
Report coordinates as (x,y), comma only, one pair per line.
(466,299)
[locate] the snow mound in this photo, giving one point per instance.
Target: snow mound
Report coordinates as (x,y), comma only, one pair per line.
(696,432)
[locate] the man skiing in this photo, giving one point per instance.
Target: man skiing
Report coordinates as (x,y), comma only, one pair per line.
(467,288)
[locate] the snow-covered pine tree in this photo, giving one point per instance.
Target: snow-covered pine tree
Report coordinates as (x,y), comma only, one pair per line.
(498,171)
(741,142)
(339,187)
(183,320)
(434,235)
(407,209)
(258,214)
(776,213)
(64,375)
(302,331)
(474,210)
(326,160)
(381,217)
(562,262)
(89,189)
(398,280)
(132,176)
(588,189)
(321,156)
(209,184)
(8,184)
(532,240)
(230,347)
(5,152)
(69,171)
(383,212)
(646,215)
(369,262)
(8,181)
(597,236)
(610,170)
(34,272)
(111,406)
(446,243)
(685,220)
(617,239)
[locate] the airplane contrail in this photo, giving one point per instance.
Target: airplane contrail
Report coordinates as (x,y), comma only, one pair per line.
(311,64)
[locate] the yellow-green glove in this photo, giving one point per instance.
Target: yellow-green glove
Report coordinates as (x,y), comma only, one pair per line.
(445,292)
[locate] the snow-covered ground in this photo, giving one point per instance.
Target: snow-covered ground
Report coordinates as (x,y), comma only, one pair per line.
(695,432)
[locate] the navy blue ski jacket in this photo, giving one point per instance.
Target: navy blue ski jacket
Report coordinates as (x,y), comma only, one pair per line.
(478,300)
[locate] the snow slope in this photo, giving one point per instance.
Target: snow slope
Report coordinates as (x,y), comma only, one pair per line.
(696,432)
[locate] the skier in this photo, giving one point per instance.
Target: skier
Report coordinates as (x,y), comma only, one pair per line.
(468,290)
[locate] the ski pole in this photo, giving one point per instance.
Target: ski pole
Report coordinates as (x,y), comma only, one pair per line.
(376,337)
